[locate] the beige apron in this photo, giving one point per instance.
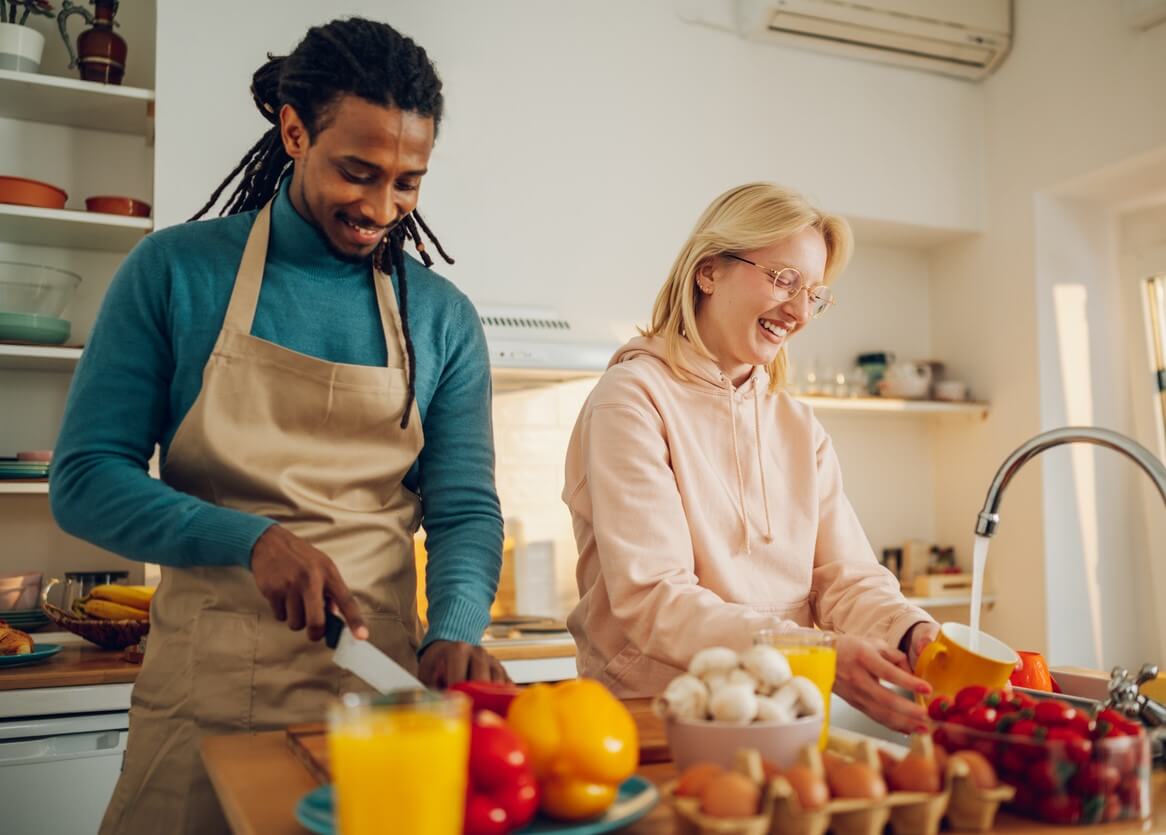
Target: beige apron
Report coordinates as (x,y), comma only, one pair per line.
(316,446)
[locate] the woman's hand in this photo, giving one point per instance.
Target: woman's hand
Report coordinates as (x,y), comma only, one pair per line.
(919,636)
(862,662)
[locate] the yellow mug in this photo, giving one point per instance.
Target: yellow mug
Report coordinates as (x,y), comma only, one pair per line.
(949,663)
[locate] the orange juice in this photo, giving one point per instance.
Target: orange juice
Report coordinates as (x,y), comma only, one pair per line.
(400,766)
(810,654)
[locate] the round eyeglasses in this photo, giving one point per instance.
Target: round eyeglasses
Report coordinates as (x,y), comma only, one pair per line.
(788,282)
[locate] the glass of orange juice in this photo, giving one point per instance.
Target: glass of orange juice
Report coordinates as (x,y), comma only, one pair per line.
(810,653)
(399,762)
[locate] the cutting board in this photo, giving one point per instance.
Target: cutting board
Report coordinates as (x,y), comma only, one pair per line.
(309,742)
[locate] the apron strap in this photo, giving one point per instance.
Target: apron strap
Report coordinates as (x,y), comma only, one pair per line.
(390,318)
(245,297)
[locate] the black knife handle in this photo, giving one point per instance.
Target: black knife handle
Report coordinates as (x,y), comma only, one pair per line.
(333,626)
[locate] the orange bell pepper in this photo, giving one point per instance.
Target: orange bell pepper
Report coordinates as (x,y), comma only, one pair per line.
(582,742)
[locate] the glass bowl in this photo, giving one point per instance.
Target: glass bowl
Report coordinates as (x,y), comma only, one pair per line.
(35,289)
(1070,780)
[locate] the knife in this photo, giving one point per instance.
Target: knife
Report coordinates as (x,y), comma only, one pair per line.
(364,660)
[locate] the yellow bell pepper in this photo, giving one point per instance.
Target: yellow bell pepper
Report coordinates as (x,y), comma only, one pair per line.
(583,743)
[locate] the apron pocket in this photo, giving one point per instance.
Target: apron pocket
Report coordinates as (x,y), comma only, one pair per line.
(223,668)
(394,638)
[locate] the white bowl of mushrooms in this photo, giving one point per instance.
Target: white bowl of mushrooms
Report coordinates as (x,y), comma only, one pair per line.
(729,700)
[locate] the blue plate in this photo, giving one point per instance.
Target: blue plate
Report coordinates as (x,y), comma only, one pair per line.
(636,798)
(40,652)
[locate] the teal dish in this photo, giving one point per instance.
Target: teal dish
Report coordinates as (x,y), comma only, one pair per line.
(29,327)
(40,652)
(636,798)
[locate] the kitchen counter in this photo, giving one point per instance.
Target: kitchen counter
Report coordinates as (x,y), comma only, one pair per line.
(80,663)
(259,781)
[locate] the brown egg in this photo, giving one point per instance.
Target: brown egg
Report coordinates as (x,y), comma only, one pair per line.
(730,795)
(887,761)
(982,774)
(809,787)
(858,780)
(914,773)
(941,756)
(696,777)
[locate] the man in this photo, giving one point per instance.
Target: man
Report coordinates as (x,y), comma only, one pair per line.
(316,397)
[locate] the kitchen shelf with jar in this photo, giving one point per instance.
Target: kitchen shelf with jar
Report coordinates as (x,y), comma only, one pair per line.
(38,358)
(897,406)
(80,104)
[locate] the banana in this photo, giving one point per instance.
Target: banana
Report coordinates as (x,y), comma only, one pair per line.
(136,597)
(107,610)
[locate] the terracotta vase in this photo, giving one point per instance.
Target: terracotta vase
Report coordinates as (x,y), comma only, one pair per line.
(101,52)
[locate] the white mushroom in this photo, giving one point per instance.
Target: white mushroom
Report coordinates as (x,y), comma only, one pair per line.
(739,676)
(768,666)
(713,660)
(685,697)
(734,703)
(715,681)
(801,697)
(769,710)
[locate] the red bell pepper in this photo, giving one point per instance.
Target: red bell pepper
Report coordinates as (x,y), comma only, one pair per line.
(502,792)
(493,696)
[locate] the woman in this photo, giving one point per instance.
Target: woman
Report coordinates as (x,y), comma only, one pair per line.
(707,503)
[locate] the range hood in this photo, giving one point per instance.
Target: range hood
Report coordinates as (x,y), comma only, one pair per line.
(532,346)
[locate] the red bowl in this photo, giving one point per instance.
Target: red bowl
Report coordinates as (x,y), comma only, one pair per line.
(117,205)
(24,192)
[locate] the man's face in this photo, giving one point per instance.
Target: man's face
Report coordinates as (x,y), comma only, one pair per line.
(361,174)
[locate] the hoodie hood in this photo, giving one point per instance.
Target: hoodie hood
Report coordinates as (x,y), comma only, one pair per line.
(706,374)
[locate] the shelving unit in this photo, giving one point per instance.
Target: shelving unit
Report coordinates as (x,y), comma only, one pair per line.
(961,600)
(38,358)
(76,103)
(895,406)
(71,229)
(30,488)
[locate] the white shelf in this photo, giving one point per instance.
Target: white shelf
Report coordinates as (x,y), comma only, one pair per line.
(895,406)
(71,229)
(948,601)
(38,358)
(24,489)
(79,104)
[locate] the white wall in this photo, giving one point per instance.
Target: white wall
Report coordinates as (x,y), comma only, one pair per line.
(1080,93)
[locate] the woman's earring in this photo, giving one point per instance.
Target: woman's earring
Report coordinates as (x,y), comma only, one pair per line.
(704,288)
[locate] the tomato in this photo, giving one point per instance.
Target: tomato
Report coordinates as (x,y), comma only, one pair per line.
(1027,738)
(1110,723)
(1048,777)
(1078,747)
(1053,713)
(1112,810)
(982,718)
(1096,778)
(939,708)
(1060,808)
(969,697)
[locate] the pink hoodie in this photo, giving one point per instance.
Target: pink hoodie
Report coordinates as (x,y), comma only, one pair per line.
(704,513)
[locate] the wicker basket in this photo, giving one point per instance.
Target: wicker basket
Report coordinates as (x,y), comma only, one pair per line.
(108,634)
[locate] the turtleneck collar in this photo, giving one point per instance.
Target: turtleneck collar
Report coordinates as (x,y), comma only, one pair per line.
(297,243)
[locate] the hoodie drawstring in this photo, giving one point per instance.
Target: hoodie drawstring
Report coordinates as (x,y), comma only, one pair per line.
(761,461)
(737,462)
(741,509)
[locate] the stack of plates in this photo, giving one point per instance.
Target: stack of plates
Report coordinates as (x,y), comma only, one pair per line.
(30,327)
(26,620)
(24,469)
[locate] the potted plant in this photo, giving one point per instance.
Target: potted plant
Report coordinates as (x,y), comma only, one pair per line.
(21,46)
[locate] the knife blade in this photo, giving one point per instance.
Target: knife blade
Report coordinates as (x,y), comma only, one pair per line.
(364,660)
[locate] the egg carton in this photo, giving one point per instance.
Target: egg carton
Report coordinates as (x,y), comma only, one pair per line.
(965,805)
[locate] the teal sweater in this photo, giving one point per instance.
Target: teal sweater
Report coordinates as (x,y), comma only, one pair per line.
(142,370)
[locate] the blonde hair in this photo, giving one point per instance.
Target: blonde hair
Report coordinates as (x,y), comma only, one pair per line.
(747,217)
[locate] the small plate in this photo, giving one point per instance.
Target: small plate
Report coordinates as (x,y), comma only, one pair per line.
(40,652)
(636,798)
(29,327)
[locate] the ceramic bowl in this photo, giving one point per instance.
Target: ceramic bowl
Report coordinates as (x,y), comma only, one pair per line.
(694,741)
(117,205)
(24,192)
(908,388)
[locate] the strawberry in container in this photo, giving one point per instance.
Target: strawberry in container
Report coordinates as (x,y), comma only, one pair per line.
(1067,767)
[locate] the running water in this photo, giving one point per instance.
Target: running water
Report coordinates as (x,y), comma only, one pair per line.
(979,558)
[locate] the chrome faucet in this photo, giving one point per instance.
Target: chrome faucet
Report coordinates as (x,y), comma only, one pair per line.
(989,516)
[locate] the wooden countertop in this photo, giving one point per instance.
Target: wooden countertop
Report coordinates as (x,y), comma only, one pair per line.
(75,665)
(85,664)
(259,781)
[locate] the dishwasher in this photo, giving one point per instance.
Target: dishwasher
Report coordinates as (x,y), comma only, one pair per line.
(57,772)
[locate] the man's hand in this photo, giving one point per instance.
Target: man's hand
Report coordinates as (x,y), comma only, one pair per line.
(299,580)
(448,662)
(863,664)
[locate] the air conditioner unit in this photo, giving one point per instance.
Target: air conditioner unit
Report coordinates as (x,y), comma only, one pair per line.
(963,38)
